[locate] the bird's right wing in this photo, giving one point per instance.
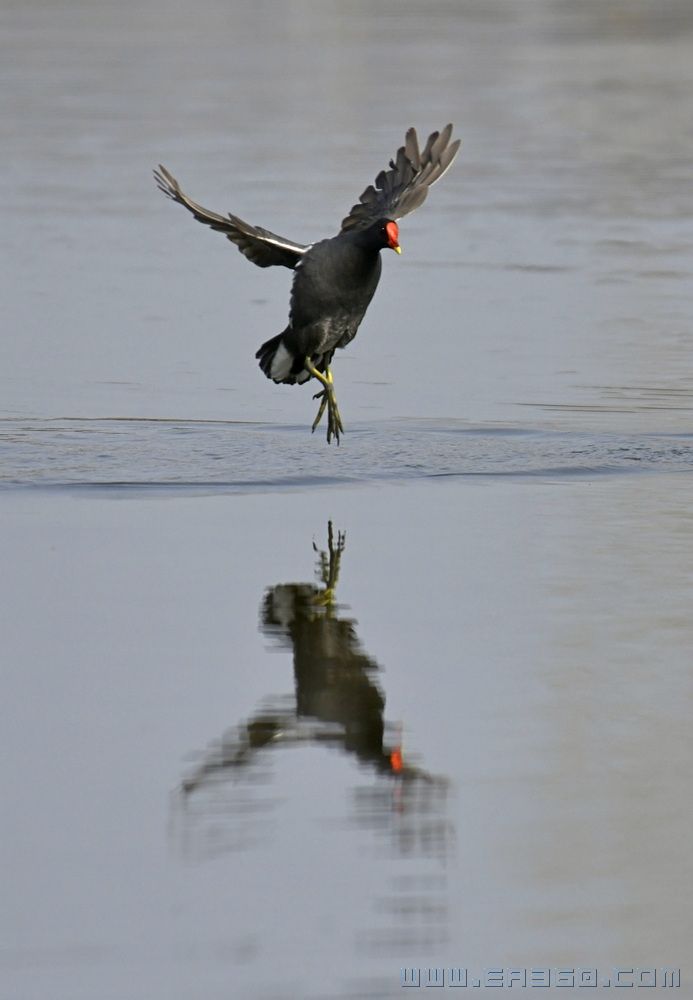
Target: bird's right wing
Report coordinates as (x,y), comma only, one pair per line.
(259,245)
(404,187)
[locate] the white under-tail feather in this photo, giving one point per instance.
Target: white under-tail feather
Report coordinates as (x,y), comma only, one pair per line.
(281,363)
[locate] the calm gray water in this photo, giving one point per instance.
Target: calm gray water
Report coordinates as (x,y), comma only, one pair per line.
(281,719)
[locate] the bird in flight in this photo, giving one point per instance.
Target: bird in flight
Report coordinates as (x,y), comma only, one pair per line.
(335,278)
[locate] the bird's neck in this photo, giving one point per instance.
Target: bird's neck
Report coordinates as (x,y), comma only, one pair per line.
(367,240)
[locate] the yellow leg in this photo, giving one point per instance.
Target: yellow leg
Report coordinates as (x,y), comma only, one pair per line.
(327,399)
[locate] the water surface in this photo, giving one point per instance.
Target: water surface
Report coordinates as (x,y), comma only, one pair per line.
(239,761)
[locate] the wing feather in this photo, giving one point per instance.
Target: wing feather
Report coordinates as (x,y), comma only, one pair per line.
(259,245)
(403,187)
(411,148)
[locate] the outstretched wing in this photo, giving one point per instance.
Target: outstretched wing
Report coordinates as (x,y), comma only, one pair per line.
(404,186)
(259,245)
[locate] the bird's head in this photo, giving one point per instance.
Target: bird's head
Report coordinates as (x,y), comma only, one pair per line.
(380,235)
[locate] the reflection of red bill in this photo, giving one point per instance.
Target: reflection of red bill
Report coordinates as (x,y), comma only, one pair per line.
(396,762)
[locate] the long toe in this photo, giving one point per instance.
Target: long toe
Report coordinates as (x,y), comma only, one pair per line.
(334,421)
(332,429)
(328,401)
(323,397)
(338,418)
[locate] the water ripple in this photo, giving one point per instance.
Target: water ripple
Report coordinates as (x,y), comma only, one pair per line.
(218,456)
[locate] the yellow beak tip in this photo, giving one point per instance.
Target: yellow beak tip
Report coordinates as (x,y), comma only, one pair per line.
(397,249)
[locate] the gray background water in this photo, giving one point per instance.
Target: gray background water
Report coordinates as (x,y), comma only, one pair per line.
(514,485)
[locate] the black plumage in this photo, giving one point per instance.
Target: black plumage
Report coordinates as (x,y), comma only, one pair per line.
(335,278)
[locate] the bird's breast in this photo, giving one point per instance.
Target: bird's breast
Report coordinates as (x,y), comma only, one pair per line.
(334,281)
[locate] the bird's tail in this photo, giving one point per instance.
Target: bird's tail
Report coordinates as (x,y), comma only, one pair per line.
(280,363)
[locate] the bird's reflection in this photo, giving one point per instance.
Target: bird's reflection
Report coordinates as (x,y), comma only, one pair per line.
(339,703)
(337,697)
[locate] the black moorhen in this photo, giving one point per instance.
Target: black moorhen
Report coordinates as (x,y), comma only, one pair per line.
(336,277)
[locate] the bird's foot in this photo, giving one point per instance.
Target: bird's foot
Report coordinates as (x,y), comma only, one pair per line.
(328,400)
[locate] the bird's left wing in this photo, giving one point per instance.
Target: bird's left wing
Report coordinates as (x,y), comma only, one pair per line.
(404,187)
(259,245)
